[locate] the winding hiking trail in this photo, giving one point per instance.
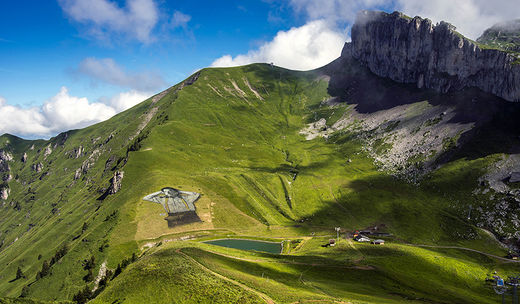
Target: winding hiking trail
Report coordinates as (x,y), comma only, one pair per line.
(262,295)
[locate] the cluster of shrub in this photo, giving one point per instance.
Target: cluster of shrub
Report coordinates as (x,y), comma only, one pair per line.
(86,294)
(46,266)
(89,265)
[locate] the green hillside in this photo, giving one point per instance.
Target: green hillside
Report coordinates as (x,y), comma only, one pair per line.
(235,136)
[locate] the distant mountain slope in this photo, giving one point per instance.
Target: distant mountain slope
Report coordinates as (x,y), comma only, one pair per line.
(505,36)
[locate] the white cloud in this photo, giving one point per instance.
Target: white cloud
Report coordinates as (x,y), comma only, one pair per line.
(62,112)
(16,120)
(104,17)
(300,48)
(126,100)
(471,17)
(107,70)
(334,11)
(180,19)
(312,45)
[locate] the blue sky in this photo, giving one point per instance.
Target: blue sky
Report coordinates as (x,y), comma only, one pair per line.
(69,63)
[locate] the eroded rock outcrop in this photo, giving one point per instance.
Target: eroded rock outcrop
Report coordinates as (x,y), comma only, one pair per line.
(115,182)
(5,173)
(414,50)
(4,192)
(76,153)
(5,156)
(47,151)
(37,167)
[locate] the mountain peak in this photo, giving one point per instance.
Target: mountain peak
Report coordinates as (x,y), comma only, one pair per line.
(414,50)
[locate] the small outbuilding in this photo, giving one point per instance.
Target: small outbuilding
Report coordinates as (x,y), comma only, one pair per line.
(378,242)
(361,238)
(332,242)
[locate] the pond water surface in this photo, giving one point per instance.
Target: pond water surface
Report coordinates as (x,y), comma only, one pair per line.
(269,247)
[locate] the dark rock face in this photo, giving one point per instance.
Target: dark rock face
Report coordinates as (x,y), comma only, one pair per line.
(515,177)
(414,50)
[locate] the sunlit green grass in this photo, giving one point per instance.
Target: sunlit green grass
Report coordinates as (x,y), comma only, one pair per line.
(258,178)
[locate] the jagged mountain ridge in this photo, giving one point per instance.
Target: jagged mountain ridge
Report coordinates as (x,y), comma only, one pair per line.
(414,50)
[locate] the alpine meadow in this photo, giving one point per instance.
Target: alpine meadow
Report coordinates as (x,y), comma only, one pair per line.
(390,175)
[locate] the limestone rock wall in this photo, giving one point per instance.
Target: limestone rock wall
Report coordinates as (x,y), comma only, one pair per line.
(414,50)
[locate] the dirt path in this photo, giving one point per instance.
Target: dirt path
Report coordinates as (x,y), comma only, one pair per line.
(468,249)
(262,295)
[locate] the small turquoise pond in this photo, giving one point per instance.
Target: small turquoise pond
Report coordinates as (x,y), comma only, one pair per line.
(269,247)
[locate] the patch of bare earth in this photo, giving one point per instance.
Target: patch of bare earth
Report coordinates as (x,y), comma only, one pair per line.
(215,90)
(240,92)
(246,81)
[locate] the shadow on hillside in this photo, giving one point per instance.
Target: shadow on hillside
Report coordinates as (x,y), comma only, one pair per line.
(355,84)
(496,124)
(308,268)
(415,214)
(297,169)
(267,76)
(497,127)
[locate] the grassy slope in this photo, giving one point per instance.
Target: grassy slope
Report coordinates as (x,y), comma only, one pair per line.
(54,209)
(358,273)
(240,151)
(242,154)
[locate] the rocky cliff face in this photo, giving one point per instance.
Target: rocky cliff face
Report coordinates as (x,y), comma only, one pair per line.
(115,182)
(414,50)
